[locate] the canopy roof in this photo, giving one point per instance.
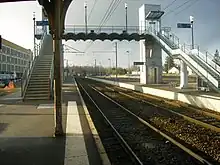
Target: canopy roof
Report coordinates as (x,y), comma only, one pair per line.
(3,1)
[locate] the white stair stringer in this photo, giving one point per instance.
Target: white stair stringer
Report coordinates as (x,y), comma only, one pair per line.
(209,75)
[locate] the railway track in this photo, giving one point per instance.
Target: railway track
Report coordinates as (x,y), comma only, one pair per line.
(143,142)
(181,128)
(200,117)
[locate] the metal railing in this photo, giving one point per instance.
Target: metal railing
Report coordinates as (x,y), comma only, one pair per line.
(203,64)
(29,68)
(203,58)
(97,29)
(51,79)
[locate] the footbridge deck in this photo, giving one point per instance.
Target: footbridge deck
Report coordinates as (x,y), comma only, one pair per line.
(95,32)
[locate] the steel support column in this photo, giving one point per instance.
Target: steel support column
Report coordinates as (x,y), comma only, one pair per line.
(57,37)
(56,12)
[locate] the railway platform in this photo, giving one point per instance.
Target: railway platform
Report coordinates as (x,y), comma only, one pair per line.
(208,100)
(27,132)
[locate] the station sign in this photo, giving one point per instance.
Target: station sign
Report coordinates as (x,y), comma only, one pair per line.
(184,25)
(138,63)
(152,22)
(42,23)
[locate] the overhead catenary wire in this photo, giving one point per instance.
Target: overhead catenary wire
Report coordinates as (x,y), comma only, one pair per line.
(170,4)
(70,47)
(173,10)
(109,11)
(93,7)
(90,44)
(187,7)
(110,14)
(111,7)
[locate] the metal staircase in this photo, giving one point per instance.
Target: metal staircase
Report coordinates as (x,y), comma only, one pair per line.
(38,77)
(202,64)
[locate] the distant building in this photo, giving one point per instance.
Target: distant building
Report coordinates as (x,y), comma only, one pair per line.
(13,59)
(175,70)
(135,72)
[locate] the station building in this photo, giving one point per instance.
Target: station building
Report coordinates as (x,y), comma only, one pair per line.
(13,59)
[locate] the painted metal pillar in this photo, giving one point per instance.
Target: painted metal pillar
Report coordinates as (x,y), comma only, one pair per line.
(143,68)
(57,38)
(183,75)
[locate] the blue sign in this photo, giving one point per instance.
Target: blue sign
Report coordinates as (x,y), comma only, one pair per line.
(42,23)
(183,25)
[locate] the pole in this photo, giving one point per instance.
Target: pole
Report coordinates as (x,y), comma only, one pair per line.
(116,61)
(128,61)
(100,69)
(85,5)
(95,68)
(191,20)
(57,71)
(34,34)
(110,65)
(192,37)
(126,17)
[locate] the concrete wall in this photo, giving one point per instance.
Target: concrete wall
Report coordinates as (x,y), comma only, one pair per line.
(150,51)
(206,101)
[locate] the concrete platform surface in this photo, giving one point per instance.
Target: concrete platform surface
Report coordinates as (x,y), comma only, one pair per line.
(191,90)
(27,132)
(207,100)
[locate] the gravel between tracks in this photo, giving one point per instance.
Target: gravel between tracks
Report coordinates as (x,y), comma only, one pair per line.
(150,147)
(203,139)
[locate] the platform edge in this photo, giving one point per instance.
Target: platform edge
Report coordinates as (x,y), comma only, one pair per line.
(103,155)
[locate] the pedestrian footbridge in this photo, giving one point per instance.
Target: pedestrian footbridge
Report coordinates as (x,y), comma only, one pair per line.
(80,32)
(201,63)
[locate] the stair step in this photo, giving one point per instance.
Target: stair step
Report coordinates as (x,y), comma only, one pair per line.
(45,65)
(36,98)
(44,61)
(37,95)
(43,74)
(39,87)
(38,83)
(42,67)
(39,79)
(37,92)
(41,70)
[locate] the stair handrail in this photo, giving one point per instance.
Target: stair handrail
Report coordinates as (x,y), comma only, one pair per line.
(173,39)
(176,42)
(29,68)
(208,58)
(205,57)
(51,79)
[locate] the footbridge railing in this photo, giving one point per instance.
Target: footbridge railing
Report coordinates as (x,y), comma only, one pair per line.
(29,67)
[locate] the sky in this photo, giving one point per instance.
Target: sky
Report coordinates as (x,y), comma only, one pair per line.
(16,25)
